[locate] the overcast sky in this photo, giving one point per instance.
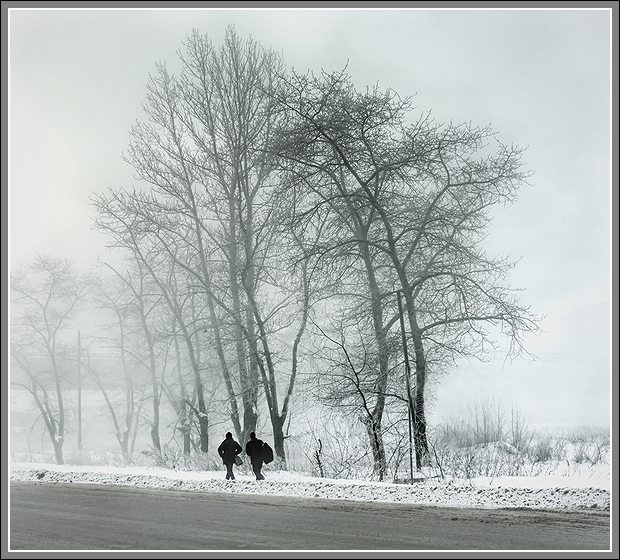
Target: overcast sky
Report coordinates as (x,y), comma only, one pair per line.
(540,78)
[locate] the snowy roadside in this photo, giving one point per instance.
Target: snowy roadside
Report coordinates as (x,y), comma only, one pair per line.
(507,492)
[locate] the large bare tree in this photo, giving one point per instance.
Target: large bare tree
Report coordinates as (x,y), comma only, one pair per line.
(413,198)
(208,194)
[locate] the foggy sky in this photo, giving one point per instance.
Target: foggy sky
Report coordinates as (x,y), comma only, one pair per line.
(541,78)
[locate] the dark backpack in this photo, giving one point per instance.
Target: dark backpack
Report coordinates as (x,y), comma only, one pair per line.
(266,453)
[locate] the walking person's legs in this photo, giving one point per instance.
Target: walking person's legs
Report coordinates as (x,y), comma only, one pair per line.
(229,472)
(256,467)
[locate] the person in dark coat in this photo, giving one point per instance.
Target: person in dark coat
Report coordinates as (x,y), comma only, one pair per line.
(228,451)
(253,450)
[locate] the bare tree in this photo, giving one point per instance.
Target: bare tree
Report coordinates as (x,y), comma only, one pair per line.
(199,154)
(146,302)
(417,196)
(44,299)
(203,156)
(292,274)
(228,114)
(114,296)
(348,243)
(181,303)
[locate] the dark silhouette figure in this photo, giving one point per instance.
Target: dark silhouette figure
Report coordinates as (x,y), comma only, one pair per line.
(228,451)
(254,451)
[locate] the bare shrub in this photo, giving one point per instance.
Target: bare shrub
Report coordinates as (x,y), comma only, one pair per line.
(337,450)
(558,452)
(591,452)
(541,450)
(172,457)
(487,422)
(520,435)
(464,448)
(476,445)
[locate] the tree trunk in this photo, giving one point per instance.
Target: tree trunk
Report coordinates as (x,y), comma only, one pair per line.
(250,416)
(277,424)
(203,422)
(253,376)
(129,397)
(154,383)
(58,437)
(419,417)
(219,348)
(203,417)
(375,436)
(58,452)
(373,426)
(124,443)
(183,416)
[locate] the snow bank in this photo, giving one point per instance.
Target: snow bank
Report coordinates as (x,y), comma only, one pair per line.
(504,492)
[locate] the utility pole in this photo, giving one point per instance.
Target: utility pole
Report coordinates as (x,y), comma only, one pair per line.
(407,381)
(79,396)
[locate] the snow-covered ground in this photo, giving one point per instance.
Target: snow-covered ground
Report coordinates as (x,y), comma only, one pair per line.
(585,489)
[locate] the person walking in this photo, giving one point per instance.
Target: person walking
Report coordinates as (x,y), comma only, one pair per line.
(228,451)
(253,449)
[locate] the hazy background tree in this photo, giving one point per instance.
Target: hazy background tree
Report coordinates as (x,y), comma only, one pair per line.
(146,306)
(44,299)
(117,334)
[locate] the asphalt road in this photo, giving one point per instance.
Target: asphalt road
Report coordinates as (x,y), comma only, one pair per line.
(47,516)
